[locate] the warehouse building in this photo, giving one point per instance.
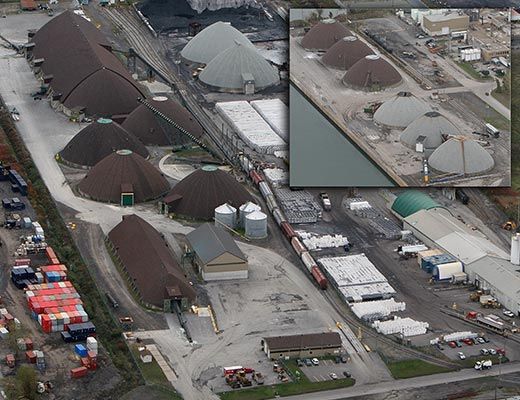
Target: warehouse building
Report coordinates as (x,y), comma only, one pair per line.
(371,73)
(124,178)
(445,24)
(461,156)
(495,51)
(276,114)
(324,34)
(409,202)
(84,76)
(149,264)
(216,255)
(197,195)
(400,110)
(303,345)
(213,40)
(429,131)
(97,141)
(152,130)
(239,69)
(345,53)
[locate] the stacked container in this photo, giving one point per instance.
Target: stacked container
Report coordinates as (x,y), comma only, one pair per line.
(78,332)
(80,350)
(54,273)
(92,345)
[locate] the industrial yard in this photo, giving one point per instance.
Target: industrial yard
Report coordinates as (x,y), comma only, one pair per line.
(169,231)
(419,102)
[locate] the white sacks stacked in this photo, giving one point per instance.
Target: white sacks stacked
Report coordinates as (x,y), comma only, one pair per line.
(276,113)
(404,326)
(372,310)
(250,126)
(92,345)
(459,336)
(314,242)
(276,176)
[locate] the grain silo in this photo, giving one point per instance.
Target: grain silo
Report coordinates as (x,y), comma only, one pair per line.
(460,155)
(246,209)
(400,110)
(256,225)
(324,34)
(345,53)
(371,73)
(239,69)
(434,129)
(225,214)
(213,40)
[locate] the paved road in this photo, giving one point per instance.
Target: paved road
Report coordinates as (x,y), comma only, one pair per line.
(412,383)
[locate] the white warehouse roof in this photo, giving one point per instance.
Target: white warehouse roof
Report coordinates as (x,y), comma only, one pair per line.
(352,270)
(250,126)
(276,114)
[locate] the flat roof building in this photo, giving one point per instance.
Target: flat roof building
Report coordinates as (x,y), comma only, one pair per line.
(304,345)
(444,24)
(217,256)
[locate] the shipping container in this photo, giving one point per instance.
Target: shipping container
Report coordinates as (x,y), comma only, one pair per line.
(51,255)
(78,372)
(287,230)
(319,277)
(298,246)
(22,261)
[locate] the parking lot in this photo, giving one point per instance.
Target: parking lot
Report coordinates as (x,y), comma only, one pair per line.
(474,350)
(323,371)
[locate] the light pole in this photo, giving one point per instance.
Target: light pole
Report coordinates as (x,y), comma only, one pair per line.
(178,63)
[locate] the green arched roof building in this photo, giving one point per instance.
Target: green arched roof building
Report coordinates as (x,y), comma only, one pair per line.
(411,201)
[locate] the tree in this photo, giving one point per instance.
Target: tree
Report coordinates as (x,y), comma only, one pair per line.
(26,383)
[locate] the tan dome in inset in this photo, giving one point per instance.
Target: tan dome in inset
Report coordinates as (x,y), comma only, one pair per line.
(372,73)
(345,53)
(324,34)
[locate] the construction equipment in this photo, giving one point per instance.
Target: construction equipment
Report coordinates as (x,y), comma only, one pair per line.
(509,225)
(475,296)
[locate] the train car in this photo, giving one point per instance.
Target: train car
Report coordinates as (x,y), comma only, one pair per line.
(298,246)
(308,260)
(271,203)
(265,189)
(319,277)
(287,230)
(278,216)
(256,177)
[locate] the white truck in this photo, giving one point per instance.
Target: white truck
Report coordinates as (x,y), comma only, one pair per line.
(325,201)
(480,365)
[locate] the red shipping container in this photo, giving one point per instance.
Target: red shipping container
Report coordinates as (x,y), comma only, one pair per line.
(85,362)
(92,365)
(78,372)
(51,255)
(30,356)
(22,261)
(10,360)
(28,344)
(8,318)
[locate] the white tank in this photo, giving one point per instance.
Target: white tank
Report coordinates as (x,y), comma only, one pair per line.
(246,209)
(225,215)
(256,225)
(515,249)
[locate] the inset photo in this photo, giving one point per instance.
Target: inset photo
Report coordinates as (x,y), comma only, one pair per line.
(387,97)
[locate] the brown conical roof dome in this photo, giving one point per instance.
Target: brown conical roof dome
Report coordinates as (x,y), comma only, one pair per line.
(371,73)
(151,130)
(116,172)
(324,34)
(201,192)
(98,140)
(346,52)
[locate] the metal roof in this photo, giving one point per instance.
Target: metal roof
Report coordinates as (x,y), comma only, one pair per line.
(371,73)
(435,223)
(324,34)
(149,261)
(468,248)
(213,40)
(227,69)
(433,125)
(460,155)
(210,241)
(104,180)
(345,53)
(409,202)
(151,130)
(303,341)
(400,110)
(98,140)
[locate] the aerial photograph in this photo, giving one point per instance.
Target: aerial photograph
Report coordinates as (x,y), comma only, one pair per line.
(152,245)
(422,94)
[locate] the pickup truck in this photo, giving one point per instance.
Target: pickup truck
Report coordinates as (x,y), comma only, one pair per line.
(325,201)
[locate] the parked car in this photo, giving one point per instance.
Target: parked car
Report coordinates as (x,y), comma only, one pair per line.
(468,341)
(458,343)
(439,346)
(343,359)
(493,352)
(346,374)
(300,363)
(486,340)
(315,361)
(484,352)
(480,340)
(501,351)
(308,362)
(337,360)
(508,313)
(462,356)
(452,344)
(333,376)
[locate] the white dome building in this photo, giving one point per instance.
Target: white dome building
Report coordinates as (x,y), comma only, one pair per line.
(434,126)
(400,110)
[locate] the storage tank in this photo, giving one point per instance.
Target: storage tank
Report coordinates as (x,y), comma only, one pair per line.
(256,225)
(225,215)
(246,209)
(515,249)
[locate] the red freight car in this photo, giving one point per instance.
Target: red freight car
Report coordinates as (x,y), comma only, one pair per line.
(298,246)
(319,277)
(256,177)
(287,230)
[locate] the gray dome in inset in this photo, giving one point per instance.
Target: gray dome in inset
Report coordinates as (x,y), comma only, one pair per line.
(400,110)
(372,73)
(228,70)
(461,156)
(345,53)
(324,34)
(433,126)
(211,41)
